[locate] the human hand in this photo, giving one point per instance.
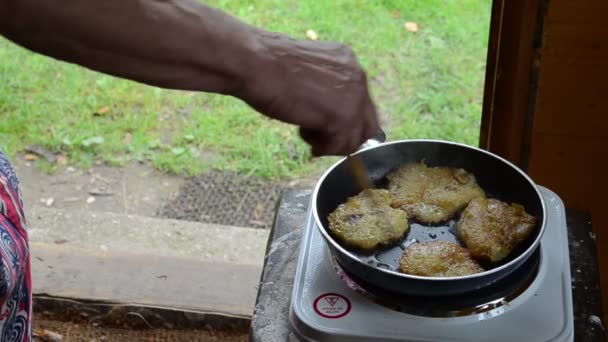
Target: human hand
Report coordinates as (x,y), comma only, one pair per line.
(316,85)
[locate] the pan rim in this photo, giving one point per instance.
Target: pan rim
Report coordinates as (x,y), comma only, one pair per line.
(520,258)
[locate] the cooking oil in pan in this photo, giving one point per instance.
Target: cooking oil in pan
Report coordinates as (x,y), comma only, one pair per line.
(388,258)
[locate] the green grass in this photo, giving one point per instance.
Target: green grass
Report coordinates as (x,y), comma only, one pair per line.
(426,84)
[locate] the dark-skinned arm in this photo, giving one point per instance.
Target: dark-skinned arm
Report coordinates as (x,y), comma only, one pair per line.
(182,44)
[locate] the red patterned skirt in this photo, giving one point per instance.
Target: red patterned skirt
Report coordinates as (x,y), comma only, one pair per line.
(15,278)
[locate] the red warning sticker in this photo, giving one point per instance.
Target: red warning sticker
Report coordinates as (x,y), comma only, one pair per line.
(332,305)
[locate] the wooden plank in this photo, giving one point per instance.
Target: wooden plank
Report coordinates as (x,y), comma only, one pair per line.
(570,166)
(570,134)
(576,43)
(576,13)
(572,99)
(489,92)
(145,280)
(545,101)
(510,78)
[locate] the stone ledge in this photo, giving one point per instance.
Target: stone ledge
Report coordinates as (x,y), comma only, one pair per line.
(114,232)
(225,289)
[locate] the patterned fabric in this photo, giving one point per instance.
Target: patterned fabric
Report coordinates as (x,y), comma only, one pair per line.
(15,279)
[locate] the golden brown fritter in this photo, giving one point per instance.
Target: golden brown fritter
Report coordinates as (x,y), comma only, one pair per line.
(491,229)
(367,221)
(438,259)
(432,194)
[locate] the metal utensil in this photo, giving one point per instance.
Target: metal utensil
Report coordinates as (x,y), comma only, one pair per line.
(360,173)
(358,169)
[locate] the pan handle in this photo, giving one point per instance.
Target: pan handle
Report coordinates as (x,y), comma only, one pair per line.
(377,139)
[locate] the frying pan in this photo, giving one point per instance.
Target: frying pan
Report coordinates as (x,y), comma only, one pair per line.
(499,178)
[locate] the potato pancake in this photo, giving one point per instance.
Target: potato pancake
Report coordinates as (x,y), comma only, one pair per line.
(432,194)
(367,221)
(438,259)
(491,229)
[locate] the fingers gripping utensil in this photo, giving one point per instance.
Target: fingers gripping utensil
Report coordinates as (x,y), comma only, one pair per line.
(360,173)
(358,168)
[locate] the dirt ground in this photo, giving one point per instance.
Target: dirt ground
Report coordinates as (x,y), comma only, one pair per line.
(134,189)
(47,331)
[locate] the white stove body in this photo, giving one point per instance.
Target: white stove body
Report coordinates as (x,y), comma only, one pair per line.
(323,308)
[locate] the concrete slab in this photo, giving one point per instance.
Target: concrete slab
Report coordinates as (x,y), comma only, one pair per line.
(108,233)
(62,271)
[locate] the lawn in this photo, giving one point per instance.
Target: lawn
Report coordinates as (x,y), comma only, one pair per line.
(427,84)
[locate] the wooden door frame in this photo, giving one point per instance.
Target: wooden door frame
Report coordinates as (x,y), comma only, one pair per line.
(515,41)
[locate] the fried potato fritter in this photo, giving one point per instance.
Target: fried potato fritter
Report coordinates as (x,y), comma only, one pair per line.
(432,194)
(438,259)
(367,221)
(491,229)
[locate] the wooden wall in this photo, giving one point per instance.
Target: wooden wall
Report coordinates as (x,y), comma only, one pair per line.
(546,102)
(510,77)
(569,140)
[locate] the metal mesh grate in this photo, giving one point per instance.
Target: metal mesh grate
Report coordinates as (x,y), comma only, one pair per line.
(225,198)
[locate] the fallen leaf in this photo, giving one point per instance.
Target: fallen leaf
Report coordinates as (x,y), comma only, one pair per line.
(62,160)
(396,14)
(61,241)
(48,336)
(312,35)
(258,212)
(411,26)
(102,111)
(90,200)
(30,157)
